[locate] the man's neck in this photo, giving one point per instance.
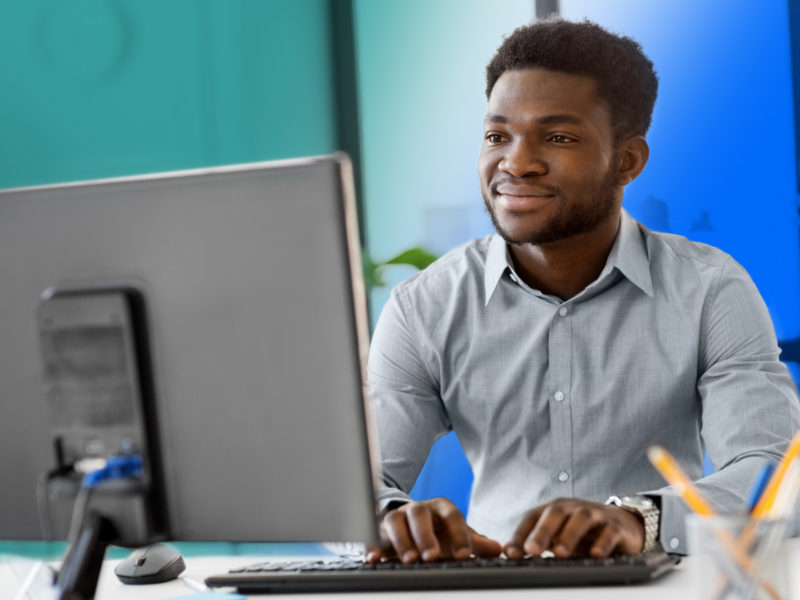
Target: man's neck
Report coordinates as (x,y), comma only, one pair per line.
(565,268)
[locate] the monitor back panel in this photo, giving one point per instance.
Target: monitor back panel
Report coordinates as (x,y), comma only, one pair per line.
(246,276)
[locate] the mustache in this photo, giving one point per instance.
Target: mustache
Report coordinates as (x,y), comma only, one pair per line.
(538,186)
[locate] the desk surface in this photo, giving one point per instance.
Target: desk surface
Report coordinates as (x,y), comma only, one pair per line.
(675,585)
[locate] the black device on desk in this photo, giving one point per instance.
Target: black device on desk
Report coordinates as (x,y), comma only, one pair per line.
(252,421)
(153,564)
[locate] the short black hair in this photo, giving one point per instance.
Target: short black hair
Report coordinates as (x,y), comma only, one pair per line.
(626,79)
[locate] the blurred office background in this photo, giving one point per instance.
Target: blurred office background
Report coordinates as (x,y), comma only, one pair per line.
(105,88)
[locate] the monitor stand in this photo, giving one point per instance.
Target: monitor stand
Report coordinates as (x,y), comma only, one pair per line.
(77,579)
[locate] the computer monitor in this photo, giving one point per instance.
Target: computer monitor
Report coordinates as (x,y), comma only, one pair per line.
(250,280)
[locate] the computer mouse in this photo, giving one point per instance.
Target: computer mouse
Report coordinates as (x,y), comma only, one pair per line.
(154,564)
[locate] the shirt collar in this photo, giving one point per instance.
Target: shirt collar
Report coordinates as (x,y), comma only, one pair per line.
(628,254)
(497,261)
(632,257)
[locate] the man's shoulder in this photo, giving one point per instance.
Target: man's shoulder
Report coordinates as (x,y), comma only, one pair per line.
(461,266)
(676,257)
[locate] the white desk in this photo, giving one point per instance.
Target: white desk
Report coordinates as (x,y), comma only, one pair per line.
(673,586)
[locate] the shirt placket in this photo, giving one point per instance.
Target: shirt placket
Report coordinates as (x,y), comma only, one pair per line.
(560,400)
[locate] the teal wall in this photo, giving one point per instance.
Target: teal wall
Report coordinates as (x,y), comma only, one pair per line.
(103,88)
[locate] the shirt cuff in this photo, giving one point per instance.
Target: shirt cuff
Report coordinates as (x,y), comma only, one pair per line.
(389,498)
(671,521)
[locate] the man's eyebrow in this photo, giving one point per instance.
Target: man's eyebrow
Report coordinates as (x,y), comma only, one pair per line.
(547,120)
(494,118)
(557,119)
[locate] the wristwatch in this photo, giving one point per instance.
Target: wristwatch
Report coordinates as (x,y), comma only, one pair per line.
(647,510)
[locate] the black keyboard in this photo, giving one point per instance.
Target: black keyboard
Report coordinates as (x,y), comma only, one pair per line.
(352,576)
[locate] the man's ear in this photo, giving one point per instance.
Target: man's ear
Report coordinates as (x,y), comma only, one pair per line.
(633,154)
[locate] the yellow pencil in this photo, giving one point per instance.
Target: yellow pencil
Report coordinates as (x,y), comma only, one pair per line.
(675,476)
(764,504)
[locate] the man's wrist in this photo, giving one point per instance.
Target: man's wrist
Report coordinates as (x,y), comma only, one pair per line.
(648,515)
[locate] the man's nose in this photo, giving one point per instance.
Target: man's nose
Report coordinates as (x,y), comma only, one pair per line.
(523,158)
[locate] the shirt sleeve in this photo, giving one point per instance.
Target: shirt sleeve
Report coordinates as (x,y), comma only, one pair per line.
(749,411)
(406,402)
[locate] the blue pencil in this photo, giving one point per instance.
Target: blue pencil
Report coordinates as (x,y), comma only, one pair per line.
(759,485)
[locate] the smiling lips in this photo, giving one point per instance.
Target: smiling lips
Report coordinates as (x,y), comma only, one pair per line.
(517,199)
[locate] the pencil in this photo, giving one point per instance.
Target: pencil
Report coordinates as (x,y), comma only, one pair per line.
(759,485)
(764,505)
(786,498)
(676,477)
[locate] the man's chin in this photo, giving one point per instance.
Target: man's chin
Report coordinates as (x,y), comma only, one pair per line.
(518,234)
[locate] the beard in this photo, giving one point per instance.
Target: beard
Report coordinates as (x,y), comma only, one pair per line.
(569,221)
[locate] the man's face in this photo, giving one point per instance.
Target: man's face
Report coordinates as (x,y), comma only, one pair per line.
(548,167)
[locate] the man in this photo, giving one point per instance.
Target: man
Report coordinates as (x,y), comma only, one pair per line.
(561,347)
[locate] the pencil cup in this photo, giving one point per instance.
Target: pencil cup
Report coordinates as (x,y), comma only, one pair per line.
(737,558)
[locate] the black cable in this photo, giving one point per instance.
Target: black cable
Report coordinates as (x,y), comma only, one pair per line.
(43,489)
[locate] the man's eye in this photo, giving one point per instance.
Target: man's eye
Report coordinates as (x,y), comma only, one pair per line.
(561,139)
(494,138)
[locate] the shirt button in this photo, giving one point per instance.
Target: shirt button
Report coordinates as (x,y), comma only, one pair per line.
(674,543)
(563,476)
(559,395)
(513,277)
(563,311)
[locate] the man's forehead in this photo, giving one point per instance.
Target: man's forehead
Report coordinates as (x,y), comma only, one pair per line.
(541,95)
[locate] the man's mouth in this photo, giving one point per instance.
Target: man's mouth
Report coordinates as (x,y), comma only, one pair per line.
(517,198)
(509,189)
(523,203)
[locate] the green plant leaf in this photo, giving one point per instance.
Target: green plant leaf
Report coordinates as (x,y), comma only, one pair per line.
(416,257)
(373,272)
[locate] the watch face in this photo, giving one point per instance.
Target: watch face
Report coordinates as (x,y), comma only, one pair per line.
(638,501)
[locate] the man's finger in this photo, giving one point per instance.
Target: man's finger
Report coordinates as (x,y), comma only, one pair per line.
(456,527)
(420,522)
(579,523)
(606,542)
(514,548)
(548,525)
(483,546)
(396,527)
(373,553)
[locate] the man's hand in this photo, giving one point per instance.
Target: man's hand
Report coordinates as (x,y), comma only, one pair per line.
(569,527)
(429,530)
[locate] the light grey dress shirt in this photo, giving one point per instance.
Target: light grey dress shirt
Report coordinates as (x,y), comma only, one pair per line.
(672,344)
